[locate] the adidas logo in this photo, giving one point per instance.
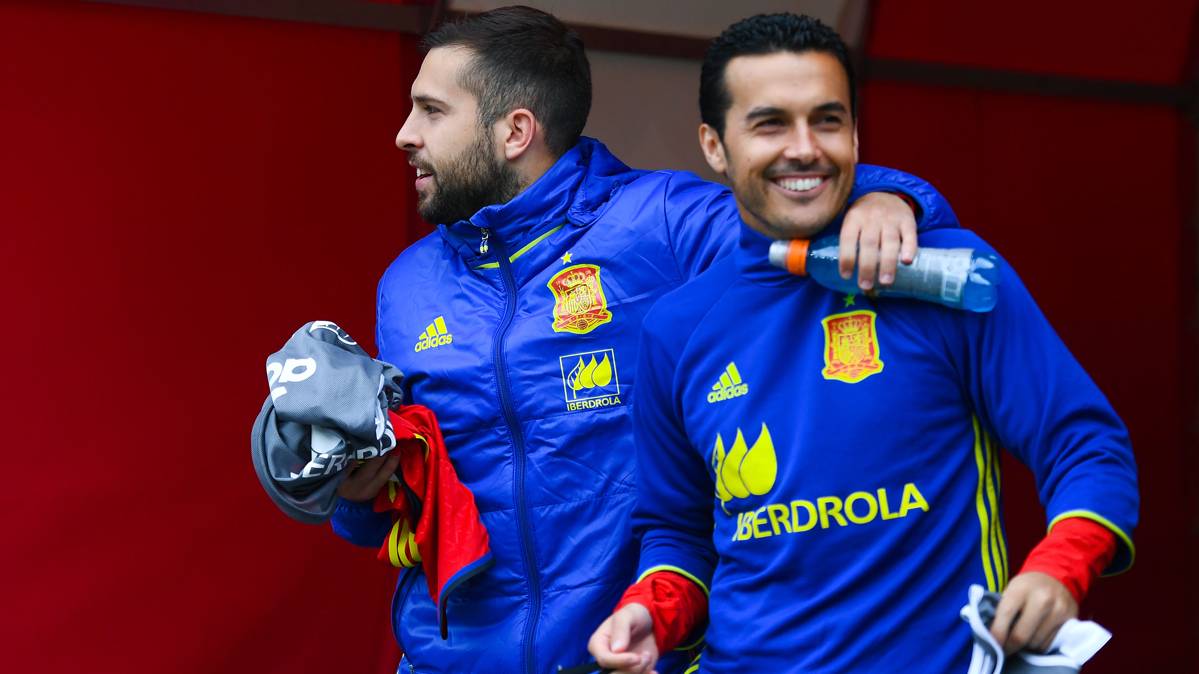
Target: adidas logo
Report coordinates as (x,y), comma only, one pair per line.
(729,385)
(434,336)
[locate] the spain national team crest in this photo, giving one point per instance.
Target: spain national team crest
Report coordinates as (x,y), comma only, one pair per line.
(851,347)
(579,302)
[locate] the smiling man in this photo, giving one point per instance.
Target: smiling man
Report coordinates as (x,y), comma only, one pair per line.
(837,510)
(517,323)
(788,185)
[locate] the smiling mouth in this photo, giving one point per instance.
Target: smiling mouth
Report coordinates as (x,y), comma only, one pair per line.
(799,185)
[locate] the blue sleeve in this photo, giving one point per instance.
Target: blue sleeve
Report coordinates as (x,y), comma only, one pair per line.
(380,346)
(702,220)
(359,524)
(1044,408)
(384,353)
(673,516)
(935,212)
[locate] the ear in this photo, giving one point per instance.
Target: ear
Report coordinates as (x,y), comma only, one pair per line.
(713,148)
(517,131)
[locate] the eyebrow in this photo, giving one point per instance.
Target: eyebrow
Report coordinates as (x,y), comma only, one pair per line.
(425,100)
(763,111)
(771,111)
(832,106)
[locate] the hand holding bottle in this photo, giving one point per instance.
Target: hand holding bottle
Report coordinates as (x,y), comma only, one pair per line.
(960,278)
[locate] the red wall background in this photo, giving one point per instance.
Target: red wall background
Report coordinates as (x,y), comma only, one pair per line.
(179,192)
(1092,202)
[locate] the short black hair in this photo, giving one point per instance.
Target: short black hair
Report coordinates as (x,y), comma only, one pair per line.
(524,58)
(760,35)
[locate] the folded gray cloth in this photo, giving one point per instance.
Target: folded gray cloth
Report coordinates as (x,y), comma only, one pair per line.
(327,406)
(1075,642)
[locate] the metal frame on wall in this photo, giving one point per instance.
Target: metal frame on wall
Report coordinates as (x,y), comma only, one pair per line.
(418,18)
(373,16)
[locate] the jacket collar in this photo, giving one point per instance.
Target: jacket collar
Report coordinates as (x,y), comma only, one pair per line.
(753,256)
(576,189)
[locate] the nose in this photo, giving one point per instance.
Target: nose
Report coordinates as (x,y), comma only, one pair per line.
(801,145)
(407,139)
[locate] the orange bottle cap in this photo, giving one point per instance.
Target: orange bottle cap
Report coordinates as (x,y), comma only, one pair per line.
(797,257)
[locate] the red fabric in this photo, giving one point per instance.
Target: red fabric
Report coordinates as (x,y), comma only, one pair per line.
(1075,552)
(676,604)
(449,534)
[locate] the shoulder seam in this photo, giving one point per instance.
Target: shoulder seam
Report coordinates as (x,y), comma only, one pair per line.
(674,256)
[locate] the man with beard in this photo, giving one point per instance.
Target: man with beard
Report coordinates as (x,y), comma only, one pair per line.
(841,506)
(517,322)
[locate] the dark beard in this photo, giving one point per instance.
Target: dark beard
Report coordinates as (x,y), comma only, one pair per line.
(468,183)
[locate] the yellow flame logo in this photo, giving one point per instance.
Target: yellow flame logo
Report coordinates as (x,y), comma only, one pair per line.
(590,375)
(743,470)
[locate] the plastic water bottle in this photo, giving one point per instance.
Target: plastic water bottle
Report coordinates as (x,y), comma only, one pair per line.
(956,277)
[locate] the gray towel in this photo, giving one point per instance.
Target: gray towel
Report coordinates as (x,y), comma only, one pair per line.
(327,406)
(1076,642)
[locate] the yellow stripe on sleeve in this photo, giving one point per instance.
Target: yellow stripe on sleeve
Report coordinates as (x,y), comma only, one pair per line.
(997,474)
(981,507)
(675,569)
(392,545)
(993,506)
(402,546)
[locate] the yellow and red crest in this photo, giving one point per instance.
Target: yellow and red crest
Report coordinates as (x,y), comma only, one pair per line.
(579,302)
(851,347)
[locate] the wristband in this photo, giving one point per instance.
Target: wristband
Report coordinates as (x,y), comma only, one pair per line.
(1074,553)
(676,605)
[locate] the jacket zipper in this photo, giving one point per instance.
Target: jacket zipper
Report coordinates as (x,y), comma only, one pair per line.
(518,442)
(398,601)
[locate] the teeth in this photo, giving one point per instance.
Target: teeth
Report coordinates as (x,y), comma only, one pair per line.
(421,173)
(799,184)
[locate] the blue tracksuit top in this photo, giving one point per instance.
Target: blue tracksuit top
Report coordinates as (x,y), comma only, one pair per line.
(831,463)
(527,354)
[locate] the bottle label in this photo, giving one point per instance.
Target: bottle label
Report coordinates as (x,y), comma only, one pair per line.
(955,268)
(937,273)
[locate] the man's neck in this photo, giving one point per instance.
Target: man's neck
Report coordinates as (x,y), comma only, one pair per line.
(530,169)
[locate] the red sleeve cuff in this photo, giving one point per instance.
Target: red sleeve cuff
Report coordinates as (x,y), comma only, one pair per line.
(676,604)
(1075,552)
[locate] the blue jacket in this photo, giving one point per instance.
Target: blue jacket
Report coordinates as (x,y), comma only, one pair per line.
(526,352)
(832,462)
